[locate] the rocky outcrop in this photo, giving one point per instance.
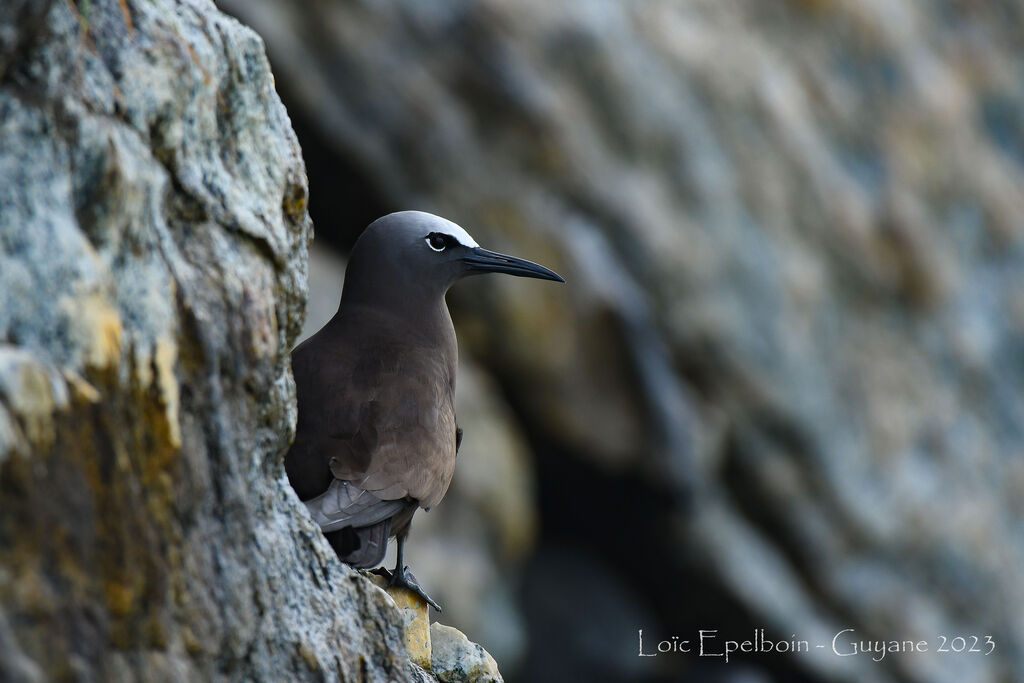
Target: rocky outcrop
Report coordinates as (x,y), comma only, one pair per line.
(153,256)
(456,660)
(790,346)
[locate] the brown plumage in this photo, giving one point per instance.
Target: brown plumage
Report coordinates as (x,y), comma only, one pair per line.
(377,434)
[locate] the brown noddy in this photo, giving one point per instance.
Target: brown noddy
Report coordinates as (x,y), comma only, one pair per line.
(377,435)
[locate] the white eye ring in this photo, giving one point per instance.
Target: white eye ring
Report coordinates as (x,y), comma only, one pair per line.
(432,237)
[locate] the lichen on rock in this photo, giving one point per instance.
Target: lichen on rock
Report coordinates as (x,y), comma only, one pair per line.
(457,660)
(153,237)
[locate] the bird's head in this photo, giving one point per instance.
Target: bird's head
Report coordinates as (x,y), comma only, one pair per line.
(414,251)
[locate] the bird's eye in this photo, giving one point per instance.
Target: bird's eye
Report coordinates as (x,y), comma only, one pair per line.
(436,241)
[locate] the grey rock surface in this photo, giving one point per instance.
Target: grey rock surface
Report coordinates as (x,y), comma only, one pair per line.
(792,342)
(153,261)
(457,660)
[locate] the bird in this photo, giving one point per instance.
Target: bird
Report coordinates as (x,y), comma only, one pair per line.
(377,436)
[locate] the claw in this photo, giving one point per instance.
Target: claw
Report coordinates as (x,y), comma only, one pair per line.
(406,579)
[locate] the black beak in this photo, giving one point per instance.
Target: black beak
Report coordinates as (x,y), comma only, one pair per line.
(480,260)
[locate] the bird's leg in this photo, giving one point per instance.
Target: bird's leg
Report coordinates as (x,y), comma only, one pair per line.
(388,574)
(401,576)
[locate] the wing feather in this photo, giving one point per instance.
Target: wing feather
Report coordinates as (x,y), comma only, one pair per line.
(344,504)
(378,415)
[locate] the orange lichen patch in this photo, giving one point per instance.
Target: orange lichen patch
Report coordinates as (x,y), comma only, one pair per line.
(34,404)
(156,630)
(414,619)
(164,359)
(308,655)
(193,645)
(153,462)
(80,388)
(294,202)
(33,391)
(96,326)
(118,479)
(158,364)
(127,16)
(119,597)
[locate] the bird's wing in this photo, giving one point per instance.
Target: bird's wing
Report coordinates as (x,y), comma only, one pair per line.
(380,418)
(323,410)
(403,443)
(344,504)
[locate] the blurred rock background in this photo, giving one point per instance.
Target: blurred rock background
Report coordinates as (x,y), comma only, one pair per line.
(782,387)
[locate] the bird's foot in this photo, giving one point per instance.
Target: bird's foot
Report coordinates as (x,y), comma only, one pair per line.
(405,579)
